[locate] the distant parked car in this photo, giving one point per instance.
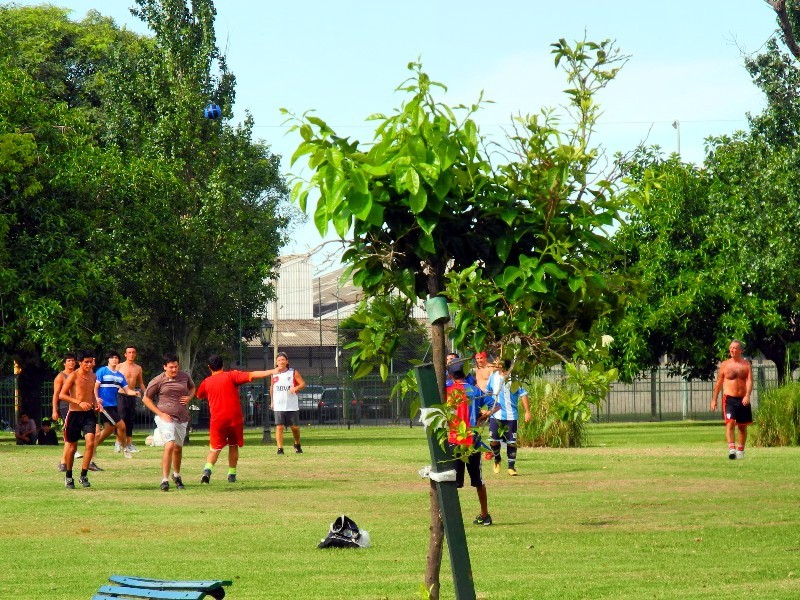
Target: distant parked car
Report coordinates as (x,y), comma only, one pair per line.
(308,399)
(331,405)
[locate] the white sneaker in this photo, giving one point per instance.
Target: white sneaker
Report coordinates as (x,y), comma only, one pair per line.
(127,453)
(117,447)
(132,448)
(78,455)
(739,454)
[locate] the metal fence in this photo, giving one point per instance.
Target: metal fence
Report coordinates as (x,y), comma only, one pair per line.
(333,400)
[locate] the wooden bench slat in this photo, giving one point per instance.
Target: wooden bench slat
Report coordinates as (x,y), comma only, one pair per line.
(165,584)
(116,591)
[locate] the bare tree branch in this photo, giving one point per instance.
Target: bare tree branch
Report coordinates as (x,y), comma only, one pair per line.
(779,6)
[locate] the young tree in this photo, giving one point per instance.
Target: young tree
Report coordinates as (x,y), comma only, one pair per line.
(424,202)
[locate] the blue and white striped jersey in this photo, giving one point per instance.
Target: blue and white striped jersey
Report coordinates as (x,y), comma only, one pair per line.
(508,401)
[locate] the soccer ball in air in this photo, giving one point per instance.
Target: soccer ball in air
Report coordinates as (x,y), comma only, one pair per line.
(212,111)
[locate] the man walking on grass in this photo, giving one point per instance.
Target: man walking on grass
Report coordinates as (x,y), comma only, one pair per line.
(110,383)
(472,408)
(227,421)
(81,419)
(127,404)
(503,424)
(174,389)
(735,381)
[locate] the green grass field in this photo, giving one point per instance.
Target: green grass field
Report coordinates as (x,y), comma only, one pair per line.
(647,511)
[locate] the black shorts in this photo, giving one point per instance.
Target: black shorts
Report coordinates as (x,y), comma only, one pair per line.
(78,424)
(112,412)
(287,417)
(473,467)
(735,411)
(503,431)
(126,405)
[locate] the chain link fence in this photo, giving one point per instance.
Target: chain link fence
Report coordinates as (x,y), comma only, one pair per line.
(340,401)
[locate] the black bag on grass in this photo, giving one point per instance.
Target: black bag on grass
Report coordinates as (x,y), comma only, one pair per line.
(344,533)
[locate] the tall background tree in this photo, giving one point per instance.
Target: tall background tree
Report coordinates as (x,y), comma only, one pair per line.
(125,215)
(714,246)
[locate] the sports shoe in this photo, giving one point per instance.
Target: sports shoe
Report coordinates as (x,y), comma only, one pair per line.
(132,448)
(62,468)
(84,481)
(496,467)
(117,447)
(485,521)
(94,467)
(298,449)
(739,454)
(512,471)
(127,453)
(178,482)
(732,454)
(231,477)
(165,486)
(69,483)
(206,478)
(78,455)
(280,450)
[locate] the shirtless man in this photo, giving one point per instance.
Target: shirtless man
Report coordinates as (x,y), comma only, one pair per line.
(78,390)
(60,407)
(735,381)
(483,370)
(127,404)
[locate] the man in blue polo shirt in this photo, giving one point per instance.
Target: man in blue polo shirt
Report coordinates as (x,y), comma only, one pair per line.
(111,382)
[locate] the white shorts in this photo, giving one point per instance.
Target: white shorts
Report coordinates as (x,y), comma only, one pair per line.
(172,432)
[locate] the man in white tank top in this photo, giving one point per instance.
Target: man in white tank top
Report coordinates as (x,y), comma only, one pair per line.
(284,402)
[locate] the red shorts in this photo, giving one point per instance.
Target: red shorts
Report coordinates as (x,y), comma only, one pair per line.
(225,434)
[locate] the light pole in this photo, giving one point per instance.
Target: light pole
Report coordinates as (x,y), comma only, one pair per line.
(265,333)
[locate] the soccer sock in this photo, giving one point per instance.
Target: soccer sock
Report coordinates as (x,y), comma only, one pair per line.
(165,480)
(84,472)
(511,450)
(731,446)
(69,474)
(496,452)
(174,474)
(209,466)
(231,470)
(740,448)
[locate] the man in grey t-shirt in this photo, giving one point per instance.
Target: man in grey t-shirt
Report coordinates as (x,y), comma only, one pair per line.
(174,389)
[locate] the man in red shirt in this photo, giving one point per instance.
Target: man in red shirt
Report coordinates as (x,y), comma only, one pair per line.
(221,389)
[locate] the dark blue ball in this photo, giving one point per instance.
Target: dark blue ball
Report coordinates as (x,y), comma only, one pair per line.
(212,111)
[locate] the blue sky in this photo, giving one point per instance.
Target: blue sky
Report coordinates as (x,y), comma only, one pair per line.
(344,59)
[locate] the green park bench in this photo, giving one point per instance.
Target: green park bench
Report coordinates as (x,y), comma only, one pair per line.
(160,589)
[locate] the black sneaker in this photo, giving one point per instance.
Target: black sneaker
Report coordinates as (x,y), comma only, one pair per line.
(62,468)
(69,483)
(486,521)
(94,467)
(280,450)
(84,481)
(206,478)
(231,477)
(178,482)
(165,486)
(298,449)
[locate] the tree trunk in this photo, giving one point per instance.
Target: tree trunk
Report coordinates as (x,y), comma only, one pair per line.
(435,544)
(30,387)
(435,547)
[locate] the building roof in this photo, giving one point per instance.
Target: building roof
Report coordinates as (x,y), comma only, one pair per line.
(296,333)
